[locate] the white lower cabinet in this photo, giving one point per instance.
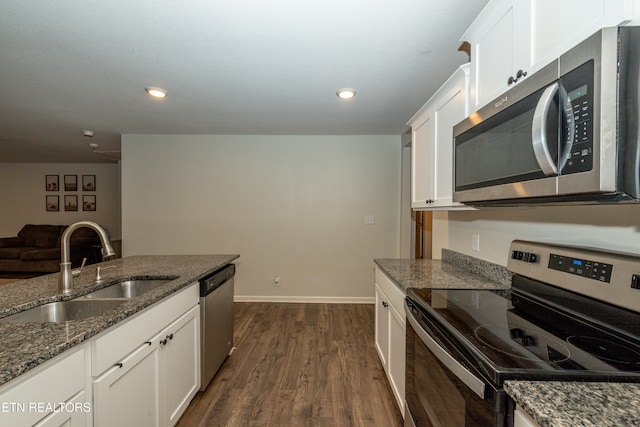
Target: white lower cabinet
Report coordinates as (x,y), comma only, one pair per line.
(153,384)
(53,394)
(522,419)
(129,393)
(179,365)
(390,333)
(70,415)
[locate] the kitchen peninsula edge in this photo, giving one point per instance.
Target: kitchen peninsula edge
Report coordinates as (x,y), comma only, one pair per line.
(24,346)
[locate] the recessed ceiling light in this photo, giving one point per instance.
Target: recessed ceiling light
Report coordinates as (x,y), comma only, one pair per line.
(88,133)
(156,92)
(346,93)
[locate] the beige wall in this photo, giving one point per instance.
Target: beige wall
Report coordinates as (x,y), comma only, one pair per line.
(292,206)
(613,227)
(22,195)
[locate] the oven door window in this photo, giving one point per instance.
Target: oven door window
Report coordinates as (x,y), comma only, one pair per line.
(437,398)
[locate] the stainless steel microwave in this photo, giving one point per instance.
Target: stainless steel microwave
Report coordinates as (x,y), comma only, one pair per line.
(566,134)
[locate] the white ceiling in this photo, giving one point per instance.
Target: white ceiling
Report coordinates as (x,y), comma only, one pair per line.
(230,67)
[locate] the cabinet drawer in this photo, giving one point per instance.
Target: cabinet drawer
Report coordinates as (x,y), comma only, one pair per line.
(129,335)
(391,291)
(36,394)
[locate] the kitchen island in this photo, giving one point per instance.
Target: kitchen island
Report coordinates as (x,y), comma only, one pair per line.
(24,346)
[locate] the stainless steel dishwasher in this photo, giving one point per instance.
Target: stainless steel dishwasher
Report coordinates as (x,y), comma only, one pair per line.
(216,321)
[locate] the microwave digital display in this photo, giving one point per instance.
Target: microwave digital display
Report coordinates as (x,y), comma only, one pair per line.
(577,93)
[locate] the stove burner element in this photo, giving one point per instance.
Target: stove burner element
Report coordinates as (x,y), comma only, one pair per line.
(606,350)
(515,343)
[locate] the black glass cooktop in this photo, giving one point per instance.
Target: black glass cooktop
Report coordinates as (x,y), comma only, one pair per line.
(535,331)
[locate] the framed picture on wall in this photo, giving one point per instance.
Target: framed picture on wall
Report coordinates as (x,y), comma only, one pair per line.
(88,183)
(53,203)
(71,183)
(88,203)
(70,203)
(52,183)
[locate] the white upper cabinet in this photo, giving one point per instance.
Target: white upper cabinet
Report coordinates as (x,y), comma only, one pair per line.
(432,144)
(512,39)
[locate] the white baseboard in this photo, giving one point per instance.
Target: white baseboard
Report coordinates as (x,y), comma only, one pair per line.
(329,300)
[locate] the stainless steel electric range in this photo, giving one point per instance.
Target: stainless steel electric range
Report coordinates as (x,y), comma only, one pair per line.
(571,314)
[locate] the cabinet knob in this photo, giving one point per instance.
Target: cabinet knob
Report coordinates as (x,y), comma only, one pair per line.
(385,304)
(163,342)
(170,336)
(519,74)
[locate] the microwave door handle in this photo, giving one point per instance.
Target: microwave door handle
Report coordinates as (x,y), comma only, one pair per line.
(539,131)
(455,367)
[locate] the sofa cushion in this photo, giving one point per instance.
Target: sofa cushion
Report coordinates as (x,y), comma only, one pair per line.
(41,255)
(15,253)
(11,242)
(42,236)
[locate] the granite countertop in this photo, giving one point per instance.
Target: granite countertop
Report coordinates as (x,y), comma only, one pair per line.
(573,404)
(454,271)
(24,346)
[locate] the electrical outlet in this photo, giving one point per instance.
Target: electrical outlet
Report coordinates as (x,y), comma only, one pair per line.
(369,220)
(276,281)
(475,242)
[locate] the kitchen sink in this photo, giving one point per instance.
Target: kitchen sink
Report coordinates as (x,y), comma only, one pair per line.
(63,311)
(125,289)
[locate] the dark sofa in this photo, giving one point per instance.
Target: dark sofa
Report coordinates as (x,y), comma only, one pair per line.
(36,249)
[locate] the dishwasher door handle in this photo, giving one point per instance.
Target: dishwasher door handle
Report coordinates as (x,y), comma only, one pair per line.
(455,367)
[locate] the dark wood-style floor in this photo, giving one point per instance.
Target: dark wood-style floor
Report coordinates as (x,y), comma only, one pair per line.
(299,365)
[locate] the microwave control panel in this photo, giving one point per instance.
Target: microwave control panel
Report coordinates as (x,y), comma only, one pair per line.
(577,119)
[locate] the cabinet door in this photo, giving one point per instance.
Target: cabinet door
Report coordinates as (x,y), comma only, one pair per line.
(450,107)
(492,51)
(525,35)
(550,34)
(422,141)
(397,352)
(522,419)
(382,326)
(57,380)
(75,414)
(180,365)
(128,393)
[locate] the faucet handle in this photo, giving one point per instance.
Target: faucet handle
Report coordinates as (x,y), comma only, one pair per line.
(76,272)
(99,270)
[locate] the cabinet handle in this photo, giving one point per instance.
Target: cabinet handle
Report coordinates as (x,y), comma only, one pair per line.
(163,342)
(519,74)
(119,365)
(148,342)
(385,304)
(170,336)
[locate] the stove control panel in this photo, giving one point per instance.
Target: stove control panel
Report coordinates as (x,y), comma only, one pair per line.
(581,267)
(605,275)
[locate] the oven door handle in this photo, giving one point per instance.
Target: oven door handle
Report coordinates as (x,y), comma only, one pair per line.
(462,373)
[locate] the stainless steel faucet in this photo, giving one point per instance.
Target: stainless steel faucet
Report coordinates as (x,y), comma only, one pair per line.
(65,280)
